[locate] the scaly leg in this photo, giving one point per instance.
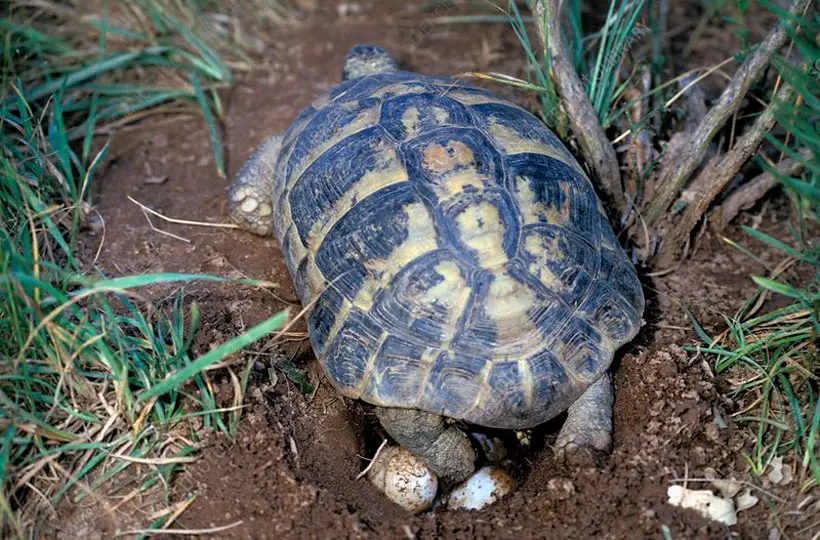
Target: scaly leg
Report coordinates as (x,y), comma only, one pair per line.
(250,203)
(588,428)
(446,450)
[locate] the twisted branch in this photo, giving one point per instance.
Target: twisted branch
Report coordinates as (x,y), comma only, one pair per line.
(679,161)
(595,147)
(715,179)
(754,190)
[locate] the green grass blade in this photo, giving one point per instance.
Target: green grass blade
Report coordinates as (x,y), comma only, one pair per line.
(213,128)
(117,61)
(179,377)
(779,288)
(774,242)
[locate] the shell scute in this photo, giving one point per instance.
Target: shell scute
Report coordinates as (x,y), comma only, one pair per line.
(330,185)
(329,308)
(409,115)
(328,127)
(552,388)
(516,131)
(399,373)
(366,234)
(446,162)
(425,298)
(375,86)
(582,350)
(550,191)
(607,311)
(455,382)
(479,226)
(508,394)
(561,260)
(356,343)
(463,263)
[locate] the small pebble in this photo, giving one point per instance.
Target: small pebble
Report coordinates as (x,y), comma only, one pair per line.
(239,194)
(704,502)
(561,488)
(746,500)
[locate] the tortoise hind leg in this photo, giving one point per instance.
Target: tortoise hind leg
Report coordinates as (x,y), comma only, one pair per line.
(446,450)
(587,430)
(250,199)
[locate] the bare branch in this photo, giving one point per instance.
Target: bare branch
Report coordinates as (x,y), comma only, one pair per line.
(678,162)
(595,147)
(715,179)
(754,190)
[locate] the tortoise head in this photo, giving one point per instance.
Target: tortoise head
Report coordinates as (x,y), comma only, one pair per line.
(363,60)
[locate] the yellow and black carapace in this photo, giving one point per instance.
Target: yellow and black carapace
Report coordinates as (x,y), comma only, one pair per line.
(460,262)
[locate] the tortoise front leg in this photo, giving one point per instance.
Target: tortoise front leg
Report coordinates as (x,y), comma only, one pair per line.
(250,200)
(588,427)
(446,450)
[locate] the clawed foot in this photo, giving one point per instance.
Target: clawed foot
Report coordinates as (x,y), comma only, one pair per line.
(586,437)
(582,448)
(250,204)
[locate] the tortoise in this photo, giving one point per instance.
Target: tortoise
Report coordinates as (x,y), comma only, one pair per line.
(459,265)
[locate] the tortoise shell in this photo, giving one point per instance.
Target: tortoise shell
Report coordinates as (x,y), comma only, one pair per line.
(459,259)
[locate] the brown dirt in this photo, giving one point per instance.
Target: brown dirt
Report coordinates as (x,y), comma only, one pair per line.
(291,471)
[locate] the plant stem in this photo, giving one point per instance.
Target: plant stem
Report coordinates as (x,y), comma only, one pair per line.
(678,162)
(595,147)
(715,179)
(752,191)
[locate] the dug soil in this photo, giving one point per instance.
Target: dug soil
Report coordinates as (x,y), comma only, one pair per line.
(291,471)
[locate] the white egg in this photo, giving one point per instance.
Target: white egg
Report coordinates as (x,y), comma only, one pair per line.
(404,479)
(486,486)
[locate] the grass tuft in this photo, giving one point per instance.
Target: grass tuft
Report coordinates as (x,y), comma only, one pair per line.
(550,105)
(101,389)
(599,55)
(117,63)
(93,379)
(770,360)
